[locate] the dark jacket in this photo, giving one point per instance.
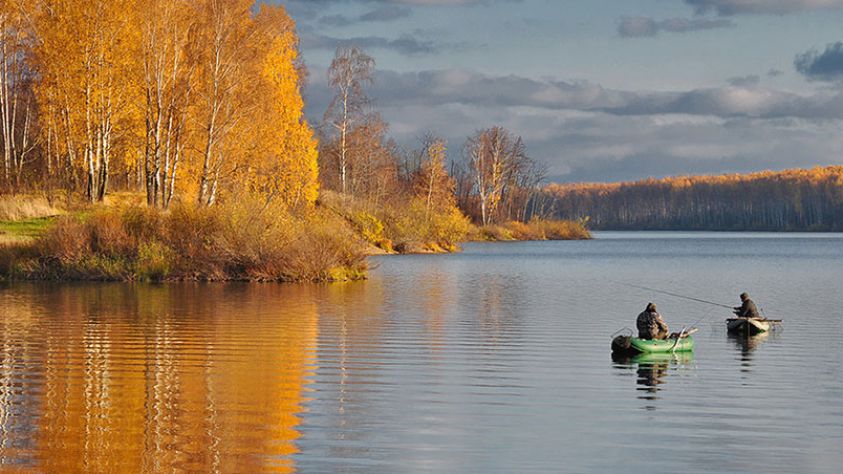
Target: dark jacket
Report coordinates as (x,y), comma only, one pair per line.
(747,310)
(651,326)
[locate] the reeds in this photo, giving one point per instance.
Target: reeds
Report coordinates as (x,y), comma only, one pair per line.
(21,207)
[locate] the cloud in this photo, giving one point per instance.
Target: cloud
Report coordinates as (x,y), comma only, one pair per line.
(386,13)
(640,26)
(744,81)
(584,131)
(775,7)
(469,88)
(773,72)
(406,45)
(822,66)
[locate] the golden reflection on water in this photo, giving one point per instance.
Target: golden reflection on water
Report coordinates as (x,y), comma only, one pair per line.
(122,378)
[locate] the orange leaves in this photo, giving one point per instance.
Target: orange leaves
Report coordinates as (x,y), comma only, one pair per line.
(284,163)
(174,96)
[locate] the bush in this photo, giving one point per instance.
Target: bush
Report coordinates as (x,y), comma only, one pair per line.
(372,230)
(154,260)
(417,230)
(534,230)
(244,239)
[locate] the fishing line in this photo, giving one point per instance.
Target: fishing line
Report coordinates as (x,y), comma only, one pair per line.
(676,295)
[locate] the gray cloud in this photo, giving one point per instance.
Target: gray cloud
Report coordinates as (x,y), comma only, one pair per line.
(773,72)
(823,66)
(386,13)
(382,14)
(587,132)
(407,45)
(776,7)
(750,80)
(457,87)
(640,26)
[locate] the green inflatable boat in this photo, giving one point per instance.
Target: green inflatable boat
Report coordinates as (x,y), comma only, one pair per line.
(647,346)
(632,345)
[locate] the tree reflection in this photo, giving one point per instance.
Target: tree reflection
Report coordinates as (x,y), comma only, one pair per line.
(132,378)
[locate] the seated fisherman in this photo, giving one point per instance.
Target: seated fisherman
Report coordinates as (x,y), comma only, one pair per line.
(651,325)
(747,309)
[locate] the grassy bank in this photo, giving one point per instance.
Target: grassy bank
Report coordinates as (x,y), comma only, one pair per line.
(23,231)
(246,240)
(25,217)
(533,230)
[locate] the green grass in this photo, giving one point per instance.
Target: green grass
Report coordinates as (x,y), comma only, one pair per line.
(24,230)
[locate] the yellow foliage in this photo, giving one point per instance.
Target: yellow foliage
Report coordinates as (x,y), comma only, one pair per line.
(284,164)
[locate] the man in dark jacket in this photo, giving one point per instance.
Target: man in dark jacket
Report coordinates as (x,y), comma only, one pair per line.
(747,309)
(651,325)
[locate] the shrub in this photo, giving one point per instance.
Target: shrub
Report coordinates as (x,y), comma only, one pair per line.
(495,233)
(243,239)
(324,251)
(154,260)
(66,241)
(536,229)
(372,230)
(416,229)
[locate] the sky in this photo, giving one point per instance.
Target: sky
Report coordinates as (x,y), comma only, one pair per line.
(600,90)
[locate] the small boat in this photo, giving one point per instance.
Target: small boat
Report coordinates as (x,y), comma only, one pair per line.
(649,346)
(633,345)
(749,325)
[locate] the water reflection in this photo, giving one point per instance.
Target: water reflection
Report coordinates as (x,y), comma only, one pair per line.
(121,378)
(747,345)
(652,370)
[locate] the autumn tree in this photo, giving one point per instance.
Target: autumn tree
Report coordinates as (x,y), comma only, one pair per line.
(350,71)
(167,85)
(495,156)
(284,155)
(17,104)
(86,57)
(221,47)
(431,181)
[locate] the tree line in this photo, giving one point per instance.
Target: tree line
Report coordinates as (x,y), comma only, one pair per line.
(799,199)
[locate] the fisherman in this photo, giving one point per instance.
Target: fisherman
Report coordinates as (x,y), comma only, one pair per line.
(747,309)
(651,325)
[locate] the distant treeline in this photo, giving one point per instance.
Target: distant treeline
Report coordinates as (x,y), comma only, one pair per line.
(791,200)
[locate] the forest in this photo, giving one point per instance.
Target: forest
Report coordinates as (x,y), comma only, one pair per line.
(790,200)
(166,139)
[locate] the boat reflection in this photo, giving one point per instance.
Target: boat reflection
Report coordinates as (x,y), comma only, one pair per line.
(747,345)
(652,370)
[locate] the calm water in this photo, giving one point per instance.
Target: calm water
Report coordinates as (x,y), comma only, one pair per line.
(494,360)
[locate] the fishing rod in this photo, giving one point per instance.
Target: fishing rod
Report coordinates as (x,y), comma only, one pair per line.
(676,295)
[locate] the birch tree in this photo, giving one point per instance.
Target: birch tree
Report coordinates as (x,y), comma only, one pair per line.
(167,86)
(494,157)
(432,182)
(351,70)
(17,104)
(221,48)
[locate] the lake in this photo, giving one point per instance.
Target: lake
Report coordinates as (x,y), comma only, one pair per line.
(493,360)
